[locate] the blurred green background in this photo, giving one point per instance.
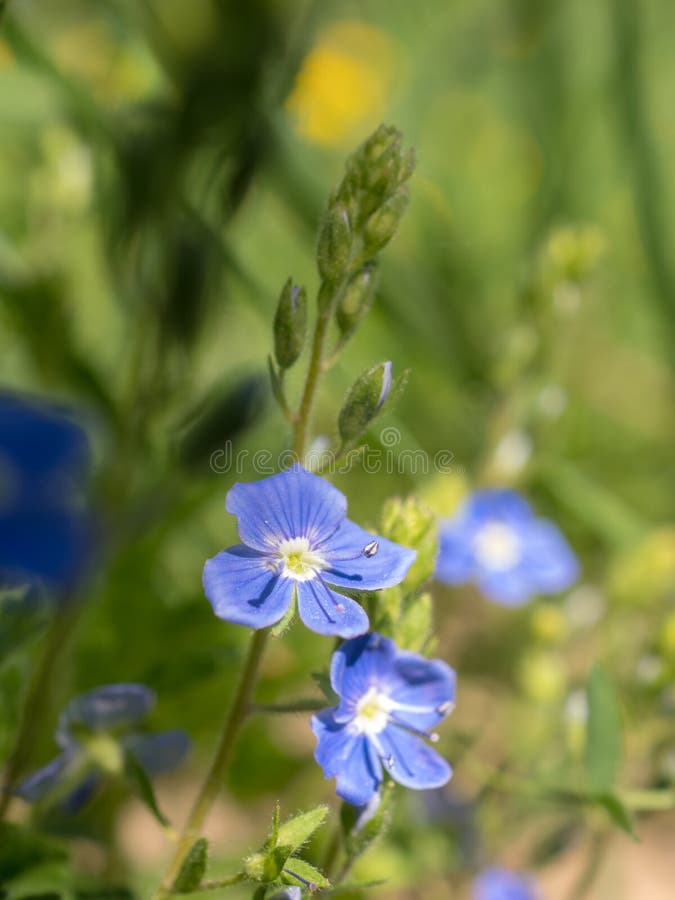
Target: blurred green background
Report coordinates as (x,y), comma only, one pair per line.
(163,170)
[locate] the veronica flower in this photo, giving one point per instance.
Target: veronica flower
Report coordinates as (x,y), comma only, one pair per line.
(502,884)
(390,700)
(496,541)
(44,458)
(95,732)
(297,542)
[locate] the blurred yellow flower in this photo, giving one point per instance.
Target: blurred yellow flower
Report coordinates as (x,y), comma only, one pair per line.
(549,624)
(542,676)
(344,83)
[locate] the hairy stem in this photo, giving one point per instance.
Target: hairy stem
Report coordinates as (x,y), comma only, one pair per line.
(328,294)
(214,780)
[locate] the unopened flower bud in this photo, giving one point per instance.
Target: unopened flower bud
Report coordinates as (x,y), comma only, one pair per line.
(290,324)
(356,300)
(335,244)
(364,401)
(381,226)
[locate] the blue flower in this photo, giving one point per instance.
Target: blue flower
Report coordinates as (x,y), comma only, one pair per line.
(44,458)
(297,541)
(502,884)
(390,700)
(497,541)
(95,732)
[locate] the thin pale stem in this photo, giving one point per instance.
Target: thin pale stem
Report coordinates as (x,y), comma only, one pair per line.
(216,775)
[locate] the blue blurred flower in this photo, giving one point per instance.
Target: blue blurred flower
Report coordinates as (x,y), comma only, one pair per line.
(390,699)
(95,733)
(44,458)
(497,541)
(502,884)
(296,537)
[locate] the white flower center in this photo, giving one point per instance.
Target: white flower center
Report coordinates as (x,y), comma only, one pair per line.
(372,712)
(299,561)
(496,547)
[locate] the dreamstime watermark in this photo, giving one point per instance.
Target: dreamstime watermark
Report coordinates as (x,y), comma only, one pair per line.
(389,458)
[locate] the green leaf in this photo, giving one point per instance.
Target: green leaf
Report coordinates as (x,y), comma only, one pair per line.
(22,849)
(298,830)
(274,836)
(139,777)
(603,734)
(618,813)
(194,866)
(298,871)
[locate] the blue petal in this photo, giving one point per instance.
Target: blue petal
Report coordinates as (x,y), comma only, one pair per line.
(44,780)
(361,663)
(512,587)
(52,544)
(334,742)
(326,612)
(104,708)
(410,761)
(159,753)
(424,688)
(242,588)
(291,504)
(455,562)
(501,504)
(348,567)
(501,884)
(348,757)
(40,441)
(552,565)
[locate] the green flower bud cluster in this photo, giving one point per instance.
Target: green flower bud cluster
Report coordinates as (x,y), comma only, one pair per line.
(405,611)
(367,206)
(362,216)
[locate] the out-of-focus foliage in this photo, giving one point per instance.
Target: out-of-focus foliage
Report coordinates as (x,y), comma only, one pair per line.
(163,170)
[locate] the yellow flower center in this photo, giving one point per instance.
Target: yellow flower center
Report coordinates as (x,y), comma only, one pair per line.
(372,712)
(299,561)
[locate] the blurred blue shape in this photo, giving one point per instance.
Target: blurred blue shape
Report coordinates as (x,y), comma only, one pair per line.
(44,462)
(112,710)
(497,541)
(106,708)
(503,884)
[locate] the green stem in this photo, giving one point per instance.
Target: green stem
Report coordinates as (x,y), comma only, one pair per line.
(332,851)
(328,294)
(37,700)
(241,705)
(221,883)
(293,706)
(214,780)
(588,874)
